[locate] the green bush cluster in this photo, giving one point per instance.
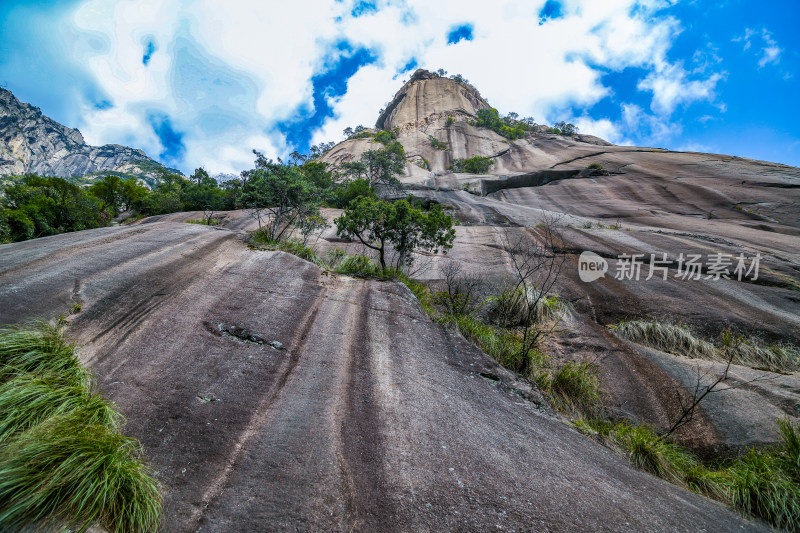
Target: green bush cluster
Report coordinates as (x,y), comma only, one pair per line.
(508,126)
(473,165)
(37,207)
(436,143)
(386,136)
(563,128)
(64,465)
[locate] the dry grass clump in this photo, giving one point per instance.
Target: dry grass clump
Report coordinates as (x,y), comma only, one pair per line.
(680,340)
(671,338)
(517,307)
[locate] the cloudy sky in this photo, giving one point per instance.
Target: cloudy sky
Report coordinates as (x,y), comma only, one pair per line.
(203,82)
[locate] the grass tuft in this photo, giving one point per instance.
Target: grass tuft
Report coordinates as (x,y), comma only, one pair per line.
(64,465)
(27,400)
(649,452)
(67,473)
(515,307)
(758,484)
(671,338)
(41,350)
(755,353)
(574,387)
(679,340)
(762,482)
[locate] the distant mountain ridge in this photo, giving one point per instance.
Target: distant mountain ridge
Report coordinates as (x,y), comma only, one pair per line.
(31,142)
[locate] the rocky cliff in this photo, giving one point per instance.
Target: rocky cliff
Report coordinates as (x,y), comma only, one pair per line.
(431,107)
(632,200)
(31,142)
(372,417)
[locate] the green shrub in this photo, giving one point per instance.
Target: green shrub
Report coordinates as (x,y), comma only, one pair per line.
(508,127)
(436,143)
(351,190)
(449,122)
(386,137)
(595,166)
(473,165)
(37,206)
(17,226)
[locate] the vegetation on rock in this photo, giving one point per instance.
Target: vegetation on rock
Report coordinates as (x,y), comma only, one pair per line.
(509,126)
(680,340)
(64,465)
(379,225)
(474,165)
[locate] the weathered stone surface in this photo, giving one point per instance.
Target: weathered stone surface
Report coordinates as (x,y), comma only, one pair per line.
(426,97)
(660,202)
(30,142)
(372,418)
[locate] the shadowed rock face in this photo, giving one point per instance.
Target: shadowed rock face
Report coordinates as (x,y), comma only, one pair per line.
(370,417)
(33,143)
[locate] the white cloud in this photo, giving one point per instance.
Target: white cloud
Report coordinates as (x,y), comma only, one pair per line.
(671,87)
(649,129)
(695,147)
(227,74)
(367,92)
(770,52)
(603,128)
(748,33)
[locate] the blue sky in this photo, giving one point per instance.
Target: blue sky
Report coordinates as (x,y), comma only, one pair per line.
(203,84)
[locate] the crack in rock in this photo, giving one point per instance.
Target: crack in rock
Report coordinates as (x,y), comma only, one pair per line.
(241,334)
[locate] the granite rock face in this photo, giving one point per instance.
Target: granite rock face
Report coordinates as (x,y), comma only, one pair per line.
(31,142)
(371,417)
(618,200)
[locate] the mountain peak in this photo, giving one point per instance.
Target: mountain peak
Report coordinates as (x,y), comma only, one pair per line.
(31,142)
(429,95)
